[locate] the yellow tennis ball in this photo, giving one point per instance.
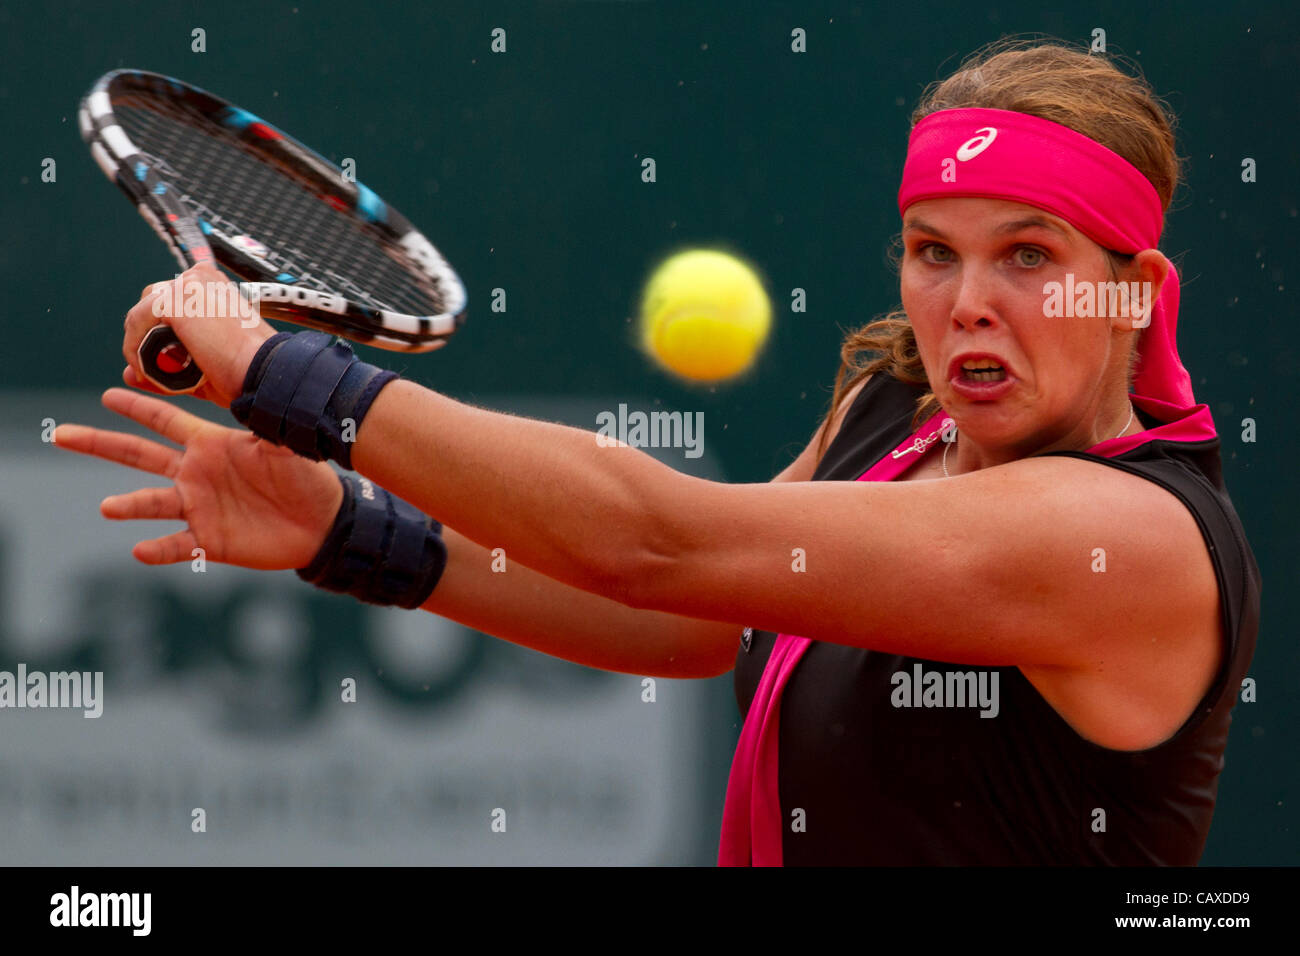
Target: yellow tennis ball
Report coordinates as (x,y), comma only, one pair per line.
(704,315)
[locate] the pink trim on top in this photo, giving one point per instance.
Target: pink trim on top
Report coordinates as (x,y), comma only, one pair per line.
(1192,424)
(752,821)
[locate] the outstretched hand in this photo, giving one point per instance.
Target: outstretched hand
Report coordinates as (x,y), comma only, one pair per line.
(244,501)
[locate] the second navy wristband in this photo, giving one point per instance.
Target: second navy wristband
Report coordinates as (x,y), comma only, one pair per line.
(380,549)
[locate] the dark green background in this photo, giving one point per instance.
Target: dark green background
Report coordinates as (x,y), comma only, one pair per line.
(525,169)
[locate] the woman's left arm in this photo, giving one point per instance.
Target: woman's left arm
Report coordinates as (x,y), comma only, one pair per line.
(996,567)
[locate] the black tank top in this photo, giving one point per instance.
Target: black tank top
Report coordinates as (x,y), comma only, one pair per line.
(886,785)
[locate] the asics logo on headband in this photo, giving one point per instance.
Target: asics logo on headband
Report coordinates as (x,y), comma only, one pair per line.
(981,141)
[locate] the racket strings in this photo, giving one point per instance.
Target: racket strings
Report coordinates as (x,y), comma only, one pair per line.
(239,193)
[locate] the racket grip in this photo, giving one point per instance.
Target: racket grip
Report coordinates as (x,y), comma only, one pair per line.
(166,362)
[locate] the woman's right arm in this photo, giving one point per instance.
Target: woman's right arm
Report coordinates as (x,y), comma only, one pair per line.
(528,608)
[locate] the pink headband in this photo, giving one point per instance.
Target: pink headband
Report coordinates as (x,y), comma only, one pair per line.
(1000,154)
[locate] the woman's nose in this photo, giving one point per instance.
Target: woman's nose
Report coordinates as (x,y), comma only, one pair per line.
(974,305)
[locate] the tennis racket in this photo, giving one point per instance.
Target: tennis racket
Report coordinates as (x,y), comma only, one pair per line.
(314,248)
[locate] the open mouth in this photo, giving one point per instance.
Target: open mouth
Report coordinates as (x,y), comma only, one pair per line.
(983,371)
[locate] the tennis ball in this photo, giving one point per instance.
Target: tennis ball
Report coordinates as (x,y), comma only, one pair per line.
(704,315)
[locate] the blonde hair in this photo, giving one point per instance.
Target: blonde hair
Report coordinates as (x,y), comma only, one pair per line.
(1085,91)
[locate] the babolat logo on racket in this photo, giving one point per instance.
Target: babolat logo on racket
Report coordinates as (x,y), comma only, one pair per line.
(307,298)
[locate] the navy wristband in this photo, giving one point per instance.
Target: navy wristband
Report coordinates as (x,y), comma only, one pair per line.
(380,549)
(309,393)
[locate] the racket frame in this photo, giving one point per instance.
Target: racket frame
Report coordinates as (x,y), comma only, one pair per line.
(276,295)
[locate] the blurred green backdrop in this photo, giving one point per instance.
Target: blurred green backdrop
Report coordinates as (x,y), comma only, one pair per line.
(524,167)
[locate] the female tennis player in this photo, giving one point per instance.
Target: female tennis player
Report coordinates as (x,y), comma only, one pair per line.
(1026,602)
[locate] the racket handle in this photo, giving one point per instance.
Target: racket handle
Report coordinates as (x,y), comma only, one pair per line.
(166,363)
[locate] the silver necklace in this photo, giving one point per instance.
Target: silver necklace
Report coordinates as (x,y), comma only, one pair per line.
(948,445)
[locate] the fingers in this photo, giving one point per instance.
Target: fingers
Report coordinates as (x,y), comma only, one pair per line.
(156,415)
(144,504)
(204,392)
(208,272)
(130,450)
(169,549)
(132,378)
(140,319)
(159,303)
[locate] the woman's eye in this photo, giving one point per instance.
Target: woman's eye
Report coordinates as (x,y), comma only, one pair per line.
(935,252)
(1035,256)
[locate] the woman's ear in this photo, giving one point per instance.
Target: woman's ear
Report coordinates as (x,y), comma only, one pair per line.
(1145,276)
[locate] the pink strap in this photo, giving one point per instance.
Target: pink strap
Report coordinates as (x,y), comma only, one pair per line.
(752,820)
(753,801)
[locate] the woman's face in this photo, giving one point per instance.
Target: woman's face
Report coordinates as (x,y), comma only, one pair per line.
(973,277)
